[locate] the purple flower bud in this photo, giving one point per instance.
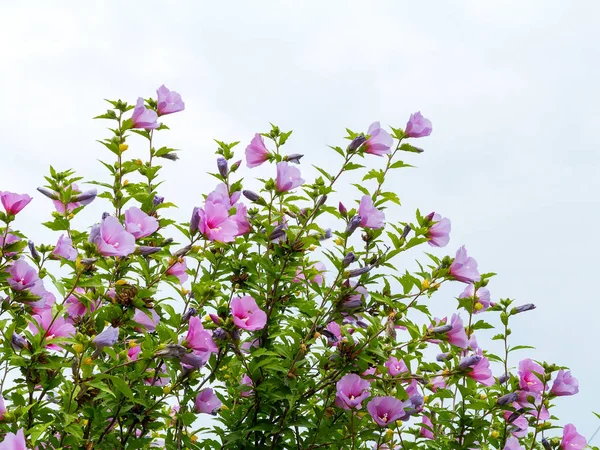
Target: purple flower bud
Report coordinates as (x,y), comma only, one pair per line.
(219,334)
(193,360)
(108,337)
(105,215)
(48,193)
(182,251)
(353,225)
(157,200)
(441,329)
(171,156)
(34,253)
(469,361)
(166,242)
(356,143)
(429,217)
(503,378)
(348,259)
(405,232)
(508,398)
(251,195)
(94,233)
(171,351)
(188,314)
(146,250)
(235,165)
(358,272)
(322,201)
(342,209)
(19,342)
(326,235)
(86,197)
(216,319)
(278,232)
(523,308)
(195,220)
(442,357)
(88,261)
(514,416)
(222,166)
(293,158)
(417,400)
(546,444)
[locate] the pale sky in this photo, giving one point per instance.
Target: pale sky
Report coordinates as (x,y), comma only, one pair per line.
(511,88)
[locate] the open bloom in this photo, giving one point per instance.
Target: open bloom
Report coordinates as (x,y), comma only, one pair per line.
(571,439)
(351,391)
(139,224)
(168,102)
(207,402)
(565,384)
(512,443)
(14,441)
(386,410)
(418,126)
(148,322)
(14,203)
(112,239)
(241,219)
(317,267)
(143,117)
(482,373)
(464,267)
(64,248)
(52,327)
(457,335)
(379,142)
(482,298)
(108,337)
(246,313)
(22,276)
(288,177)
(395,366)
(439,232)
(370,217)
(214,222)
(200,340)
(529,376)
(179,270)
(2,405)
(426,432)
(256,152)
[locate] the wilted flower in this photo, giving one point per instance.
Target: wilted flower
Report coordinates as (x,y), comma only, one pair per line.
(108,337)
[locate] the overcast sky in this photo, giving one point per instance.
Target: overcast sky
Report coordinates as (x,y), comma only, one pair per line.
(511,88)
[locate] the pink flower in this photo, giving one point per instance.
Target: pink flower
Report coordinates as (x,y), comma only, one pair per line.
(207,402)
(22,276)
(216,224)
(14,203)
(317,267)
(246,314)
(464,268)
(379,142)
(140,224)
(143,117)
(64,248)
(112,239)
(146,321)
(386,410)
(482,373)
(221,196)
(482,298)
(179,270)
(77,309)
(572,440)
(2,408)
(439,232)
(333,332)
(247,382)
(133,352)
(200,340)
(351,391)
(168,102)
(418,126)
(531,401)
(356,298)
(426,428)
(53,328)
(370,217)
(520,424)
(47,299)
(512,443)
(241,219)
(86,198)
(6,243)
(288,177)
(256,152)
(565,384)
(457,335)
(529,373)
(395,366)
(438,382)
(155,379)
(14,441)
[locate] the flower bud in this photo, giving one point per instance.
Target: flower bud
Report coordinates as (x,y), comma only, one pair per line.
(251,195)
(508,398)
(105,215)
(157,200)
(348,259)
(171,156)
(182,251)
(48,193)
(546,444)
(293,158)
(342,209)
(220,334)
(514,416)
(441,329)
(94,233)
(503,378)
(88,261)
(358,272)
(19,342)
(469,361)
(405,232)
(235,166)
(442,357)
(146,250)
(195,220)
(356,143)
(326,235)
(322,201)
(278,232)
(85,197)
(523,308)
(222,166)
(34,253)
(188,314)
(353,225)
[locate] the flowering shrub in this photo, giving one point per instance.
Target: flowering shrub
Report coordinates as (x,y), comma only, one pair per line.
(123,334)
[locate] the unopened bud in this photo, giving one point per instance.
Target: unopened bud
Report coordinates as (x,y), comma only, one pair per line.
(220,334)
(182,251)
(441,329)
(322,201)
(188,314)
(235,166)
(348,259)
(105,215)
(195,220)
(405,232)
(353,224)
(546,444)
(326,235)
(442,357)
(48,193)
(222,166)
(358,272)
(469,361)
(170,156)
(157,200)
(251,195)
(146,250)
(86,197)
(293,158)
(514,416)
(342,209)
(34,253)
(523,308)
(503,378)
(508,398)
(356,143)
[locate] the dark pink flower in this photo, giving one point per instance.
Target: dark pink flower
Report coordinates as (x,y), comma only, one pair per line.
(52,327)
(379,142)
(64,248)
(370,217)
(179,270)
(482,373)
(395,366)
(246,313)
(14,203)
(76,308)
(439,232)
(565,384)
(351,391)
(216,224)
(168,102)
(457,335)
(241,219)
(418,126)
(256,152)
(14,441)
(207,402)
(482,298)
(288,177)
(133,352)
(139,224)
(464,268)
(143,117)
(316,269)
(571,439)
(146,321)
(386,410)
(426,428)
(529,376)
(112,239)
(22,276)
(200,340)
